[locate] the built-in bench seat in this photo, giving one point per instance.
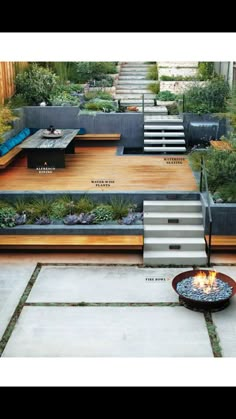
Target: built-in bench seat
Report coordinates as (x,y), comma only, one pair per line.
(100,137)
(10,148)
(9,157)
(222,242)
(72,242)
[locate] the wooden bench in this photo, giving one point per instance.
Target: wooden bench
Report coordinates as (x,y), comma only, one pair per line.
(220,145)
(71,242)
(222,242)
(9,157)
(100,137)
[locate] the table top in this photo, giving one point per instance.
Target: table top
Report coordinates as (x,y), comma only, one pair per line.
(37,140)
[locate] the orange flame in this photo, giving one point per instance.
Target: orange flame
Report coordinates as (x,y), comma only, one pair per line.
(206,282)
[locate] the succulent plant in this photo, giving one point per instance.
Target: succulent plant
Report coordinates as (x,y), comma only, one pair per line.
(43,220)
(86,218)
(71,219)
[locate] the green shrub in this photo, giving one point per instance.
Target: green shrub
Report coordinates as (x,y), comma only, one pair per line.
(211,98)
(64,99)
(40,207)
(36,84)
(7,217)
(152,73)
(154,87)
(89,70)
(84,205)
(227,192)
(206,70)
(103,213)
(98,94)
(6,119)
(120,207)
(21,205)
(221,168)
(100,105)
(17,101)
(178,78)
(5,204)
(166,95)
(173,109)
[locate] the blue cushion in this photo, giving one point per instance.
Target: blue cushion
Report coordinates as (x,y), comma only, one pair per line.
(10,143)
(17,139)
(3,150)
(81,131)
(27,132)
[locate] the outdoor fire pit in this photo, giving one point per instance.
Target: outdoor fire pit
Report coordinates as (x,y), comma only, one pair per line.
(204,290)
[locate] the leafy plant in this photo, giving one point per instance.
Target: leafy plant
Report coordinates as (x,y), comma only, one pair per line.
(102,213)
(166,95)
(98,94)
(120,207)
(221,168)
(84,204)
(206,70)
(227,192)
(36,84)
(172,109)
(5,204)
(154,87)
(6,119)
(92,70)
(17,101)
(7,217)
(64,99)
(100,105)
(209,98)
(152,73)
(21,205)
(178,78)
(41,207)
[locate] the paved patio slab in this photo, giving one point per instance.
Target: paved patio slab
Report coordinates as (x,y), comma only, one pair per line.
(225,320)
(13,280)
(104,284)
(109,332)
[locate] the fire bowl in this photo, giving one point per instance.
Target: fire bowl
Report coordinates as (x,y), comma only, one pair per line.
(201,305)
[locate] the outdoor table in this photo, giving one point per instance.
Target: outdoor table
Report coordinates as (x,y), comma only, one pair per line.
(47,151)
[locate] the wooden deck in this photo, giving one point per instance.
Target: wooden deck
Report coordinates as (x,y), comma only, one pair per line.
(100,169)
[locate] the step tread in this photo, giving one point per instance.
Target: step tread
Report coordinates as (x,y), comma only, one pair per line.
(173,227)
(174,240)
(174,253)
(164,134)
(165,141)
(164,149)
(164,127)
(173,202)
(172,214)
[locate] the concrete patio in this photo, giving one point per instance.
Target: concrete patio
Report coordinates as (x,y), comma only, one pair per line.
(72,310)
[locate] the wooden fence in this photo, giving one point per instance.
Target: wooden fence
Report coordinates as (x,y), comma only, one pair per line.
(8,71)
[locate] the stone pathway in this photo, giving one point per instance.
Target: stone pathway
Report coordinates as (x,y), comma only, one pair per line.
(106,311)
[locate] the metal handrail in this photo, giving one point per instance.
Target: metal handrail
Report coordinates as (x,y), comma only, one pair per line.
(203,176)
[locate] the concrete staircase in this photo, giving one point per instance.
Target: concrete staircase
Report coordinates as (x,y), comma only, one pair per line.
(132,84)
(174,233)
(164,134)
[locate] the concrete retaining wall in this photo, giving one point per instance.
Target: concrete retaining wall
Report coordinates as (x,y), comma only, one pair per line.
(130,126)
(223,218)
(178,86)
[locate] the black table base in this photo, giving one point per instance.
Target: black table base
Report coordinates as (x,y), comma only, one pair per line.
(45,158)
